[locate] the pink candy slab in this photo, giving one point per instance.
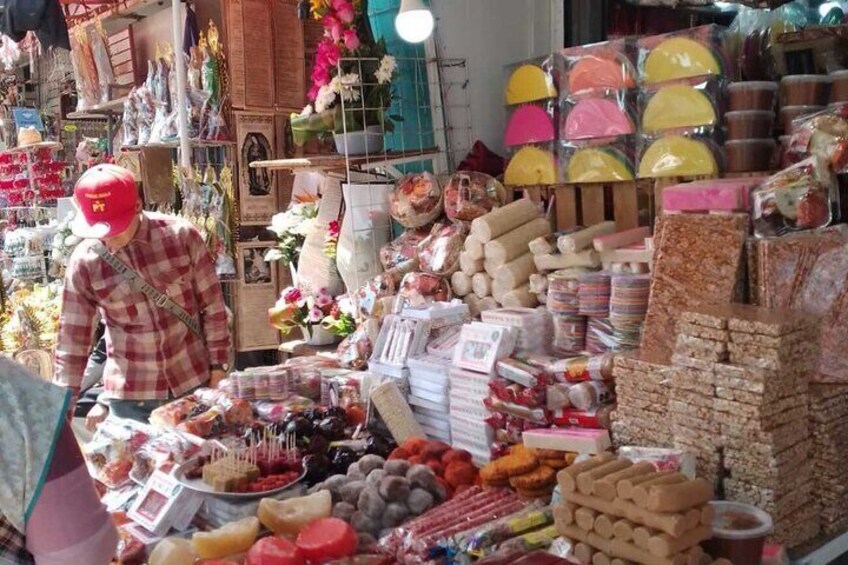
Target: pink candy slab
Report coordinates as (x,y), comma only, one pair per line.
(727,195)
(529,124)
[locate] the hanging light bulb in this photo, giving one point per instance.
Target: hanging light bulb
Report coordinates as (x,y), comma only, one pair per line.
(414,22)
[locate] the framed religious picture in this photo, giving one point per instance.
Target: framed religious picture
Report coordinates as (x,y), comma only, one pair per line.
(257,291)
(257,188)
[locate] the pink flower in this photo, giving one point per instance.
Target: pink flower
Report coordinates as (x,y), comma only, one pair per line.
(321,76)
(334,228)
(329,53)
(292,294)
(315,315)
(344,10)
(336,31)
(313,92)
(351,40)
(322,301)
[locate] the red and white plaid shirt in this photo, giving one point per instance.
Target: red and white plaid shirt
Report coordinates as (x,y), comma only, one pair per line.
(150,352)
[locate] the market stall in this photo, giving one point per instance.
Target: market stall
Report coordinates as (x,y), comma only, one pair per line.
(621,343)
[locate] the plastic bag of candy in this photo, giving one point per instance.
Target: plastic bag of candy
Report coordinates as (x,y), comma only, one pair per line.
(416,200)
(469,195)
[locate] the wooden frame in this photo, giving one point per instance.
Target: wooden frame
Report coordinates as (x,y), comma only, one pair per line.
(257,289)
(256,138)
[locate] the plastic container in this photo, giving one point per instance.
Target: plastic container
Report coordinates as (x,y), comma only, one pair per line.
(739,532)
(839,86)
(749,124)
(789,113)
(752,95)
(749,155)
(804,90)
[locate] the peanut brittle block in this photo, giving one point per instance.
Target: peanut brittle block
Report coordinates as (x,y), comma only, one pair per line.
(704,332)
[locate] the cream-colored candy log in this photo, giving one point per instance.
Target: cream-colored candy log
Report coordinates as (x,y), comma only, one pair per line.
(499,290)
(620,239)
(520,297)
(504,219)
(538,283)
(517,271)
(491,267)
(578,241)
(587,258)
(461,284)
(473,305)
(482,285)
(474,247)
(468,265)
(488,303)
(515,243)
(543,245)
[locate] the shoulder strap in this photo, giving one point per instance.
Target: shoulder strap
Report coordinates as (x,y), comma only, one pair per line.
(160,299)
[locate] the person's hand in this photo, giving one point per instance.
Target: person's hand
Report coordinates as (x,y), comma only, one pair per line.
(217,375)
(96,416)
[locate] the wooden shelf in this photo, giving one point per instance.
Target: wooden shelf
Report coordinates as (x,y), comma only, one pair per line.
(118,18)
(101,111)
(193,143)
(338,162)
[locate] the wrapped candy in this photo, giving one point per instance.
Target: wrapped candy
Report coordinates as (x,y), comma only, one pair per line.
(469,195)
(355,350)
(416,200)
(823,134)
(369,296)
(418,289)
(795,199)
(401,253)
(439,252)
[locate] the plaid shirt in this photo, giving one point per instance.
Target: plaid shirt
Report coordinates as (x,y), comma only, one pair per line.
(13,549)
(150,351)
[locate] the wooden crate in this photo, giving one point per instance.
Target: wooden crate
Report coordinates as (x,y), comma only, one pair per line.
(626,203)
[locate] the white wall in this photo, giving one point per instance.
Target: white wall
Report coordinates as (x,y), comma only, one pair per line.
(490,34)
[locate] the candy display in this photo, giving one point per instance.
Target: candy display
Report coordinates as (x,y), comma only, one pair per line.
(438,253)
(529,124)
(531,165)
(677,155)
(592,118)
(692,53)
(528,83)
(416,200)
(678,107)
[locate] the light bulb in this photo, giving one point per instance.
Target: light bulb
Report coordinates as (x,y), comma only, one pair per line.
(414,22)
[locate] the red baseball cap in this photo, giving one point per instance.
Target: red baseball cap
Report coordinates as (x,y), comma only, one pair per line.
(106,197)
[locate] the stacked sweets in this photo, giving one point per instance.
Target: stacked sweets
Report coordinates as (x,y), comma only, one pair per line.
(640,417)
(615,509)
(829,427)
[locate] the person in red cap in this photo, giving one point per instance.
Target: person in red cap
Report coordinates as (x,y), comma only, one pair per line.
(152,281)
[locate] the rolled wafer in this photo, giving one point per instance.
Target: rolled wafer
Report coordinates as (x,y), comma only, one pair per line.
(481,283)
(642,536)
(663,545)
(617,548)
(543,245)
(603,525)
(468,265)
(488,303)
(520,297)
(501,220)
(474,247)
(625,487)
(586,479)
(623,529)
(605,487)
(473,305)
(584,553)
(585,518)
(678,497)
(578,241)
(567,478)
(461,284)
(564,513)
(600,558)
(516,272)
(640,491)
(674,523)
(514,243)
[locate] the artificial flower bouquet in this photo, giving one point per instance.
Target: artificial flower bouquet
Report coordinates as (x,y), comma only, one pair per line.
(291,228)
(300,307)
(351,77)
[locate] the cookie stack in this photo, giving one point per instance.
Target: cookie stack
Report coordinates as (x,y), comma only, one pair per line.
(614,509)
(829,428)
(701,342)
(759,375)
(532,474)
(640,417)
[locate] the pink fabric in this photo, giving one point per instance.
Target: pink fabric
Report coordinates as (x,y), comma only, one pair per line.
(68,523)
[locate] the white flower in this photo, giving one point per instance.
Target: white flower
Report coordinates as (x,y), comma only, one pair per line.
(305,227)
(72,241)
(388,65)
(326,97)
(306,112)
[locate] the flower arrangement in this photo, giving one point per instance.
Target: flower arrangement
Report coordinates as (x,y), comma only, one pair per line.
(334,79)
(31,319)
(342,318)
(291,228)
(299,307)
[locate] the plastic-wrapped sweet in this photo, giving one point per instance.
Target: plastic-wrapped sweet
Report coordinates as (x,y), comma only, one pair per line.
(416,200)
(439,252)
(795,199)
(823,134)
(401,253)
(689,53)
(418,289)
(368,296)
(601,67)
(469,195)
